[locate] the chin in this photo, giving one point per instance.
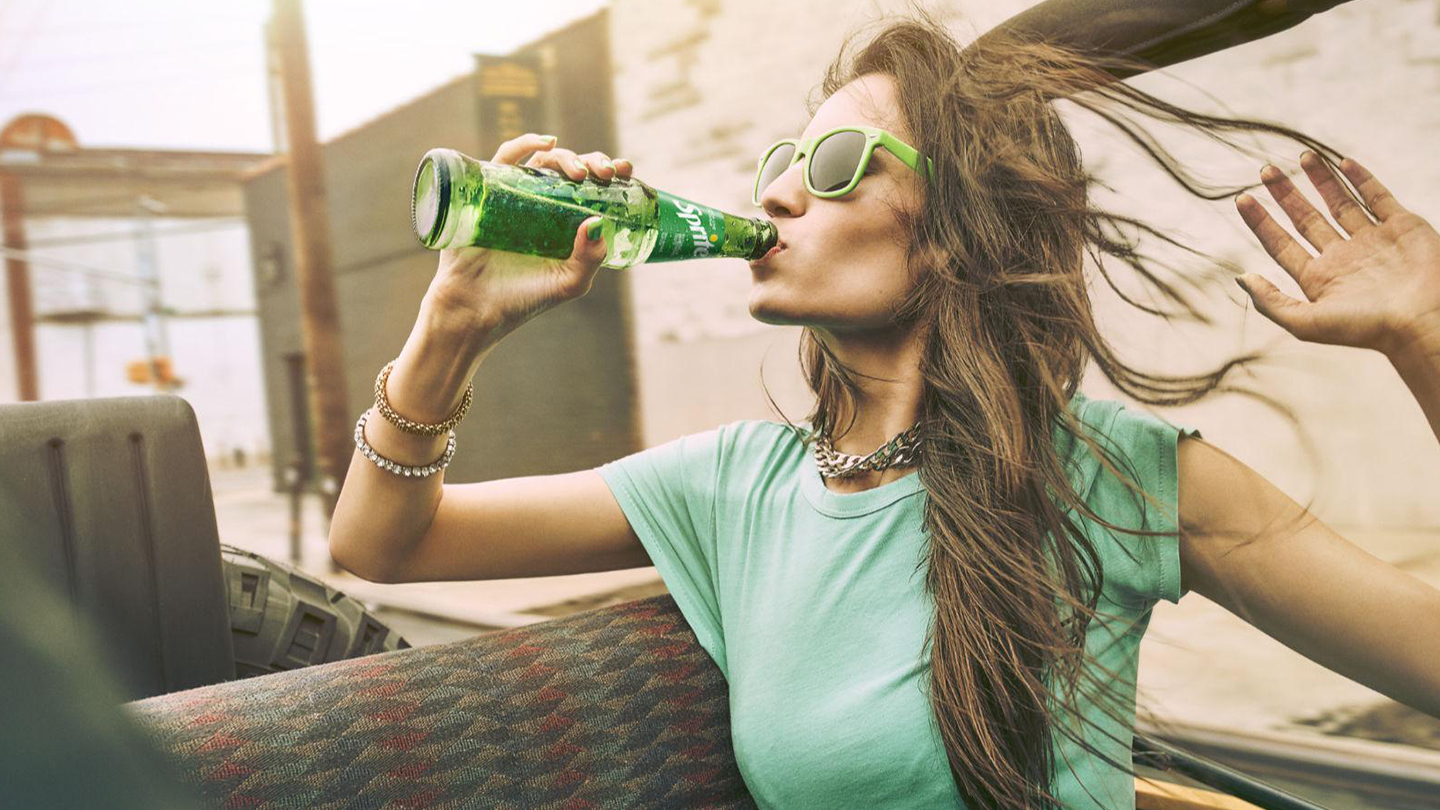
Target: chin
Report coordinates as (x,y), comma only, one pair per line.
(766,310)
(774,318)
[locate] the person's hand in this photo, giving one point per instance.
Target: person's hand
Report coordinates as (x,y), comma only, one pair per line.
(484,294)
(1377,289)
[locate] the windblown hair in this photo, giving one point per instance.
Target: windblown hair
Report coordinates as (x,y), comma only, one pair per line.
(997,257)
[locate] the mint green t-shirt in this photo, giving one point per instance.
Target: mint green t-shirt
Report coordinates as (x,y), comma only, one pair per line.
(811,604)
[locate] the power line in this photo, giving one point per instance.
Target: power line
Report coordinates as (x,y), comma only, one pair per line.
(75,267)
(216,224)
(80,205)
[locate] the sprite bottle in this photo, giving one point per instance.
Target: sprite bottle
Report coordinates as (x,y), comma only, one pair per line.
(460,201)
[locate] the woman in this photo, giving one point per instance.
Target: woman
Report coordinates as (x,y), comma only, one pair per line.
(947,323)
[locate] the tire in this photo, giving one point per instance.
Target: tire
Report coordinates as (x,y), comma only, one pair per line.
(282,618)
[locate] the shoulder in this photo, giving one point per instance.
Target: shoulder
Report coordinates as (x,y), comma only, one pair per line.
(761,432)
(1130,436)
(1103,418)
(748,442)
(738,443)
(1142,447)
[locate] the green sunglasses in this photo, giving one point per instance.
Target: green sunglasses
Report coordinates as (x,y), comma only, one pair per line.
(834,161)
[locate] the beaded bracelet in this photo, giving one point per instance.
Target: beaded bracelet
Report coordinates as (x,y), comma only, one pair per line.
(400,469)
(382,404)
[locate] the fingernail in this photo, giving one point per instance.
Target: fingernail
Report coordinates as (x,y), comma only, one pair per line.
(551,138)
(1244,199)
(1241,281)
(578,166)
(1270,172)
(610,164)
(592,231)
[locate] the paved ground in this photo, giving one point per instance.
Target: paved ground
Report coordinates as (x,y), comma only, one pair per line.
(1200,665)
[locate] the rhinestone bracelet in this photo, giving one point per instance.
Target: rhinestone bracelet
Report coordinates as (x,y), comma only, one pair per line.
(400,469)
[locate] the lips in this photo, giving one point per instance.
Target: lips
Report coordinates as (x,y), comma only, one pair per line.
(772,253)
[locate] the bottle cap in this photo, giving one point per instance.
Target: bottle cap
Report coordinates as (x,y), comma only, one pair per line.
(431,199)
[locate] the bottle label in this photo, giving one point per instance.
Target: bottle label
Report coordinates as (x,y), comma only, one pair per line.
(687,230)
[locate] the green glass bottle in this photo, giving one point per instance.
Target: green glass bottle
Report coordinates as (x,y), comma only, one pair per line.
(460,201)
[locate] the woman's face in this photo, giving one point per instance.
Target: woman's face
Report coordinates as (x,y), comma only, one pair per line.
(842,268)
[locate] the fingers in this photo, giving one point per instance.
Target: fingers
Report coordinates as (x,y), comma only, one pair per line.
(1282,247)
(1309,222)
(562,160)
(547,155)
(590,239)
(1337,198)
(595,165)
(1289,314)
(586,255)
(512,150)
(1375,195)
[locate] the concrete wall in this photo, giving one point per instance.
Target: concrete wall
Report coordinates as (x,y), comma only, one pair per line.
(701,89)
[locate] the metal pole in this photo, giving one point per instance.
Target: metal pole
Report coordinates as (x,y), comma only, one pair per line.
(17,278)
(1160,754)
(295,483)
(89,357)
(157,345)
(310,229)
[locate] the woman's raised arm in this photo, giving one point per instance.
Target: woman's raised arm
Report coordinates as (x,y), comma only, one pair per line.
(1245,544)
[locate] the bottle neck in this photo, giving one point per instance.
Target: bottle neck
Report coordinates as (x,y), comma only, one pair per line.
(689,230)
(748,238)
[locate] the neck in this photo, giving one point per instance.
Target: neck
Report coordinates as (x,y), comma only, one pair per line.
(888,402)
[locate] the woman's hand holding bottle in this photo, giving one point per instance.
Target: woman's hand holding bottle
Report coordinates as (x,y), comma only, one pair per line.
(480,295)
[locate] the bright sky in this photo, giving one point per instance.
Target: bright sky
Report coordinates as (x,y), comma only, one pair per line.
(190,74)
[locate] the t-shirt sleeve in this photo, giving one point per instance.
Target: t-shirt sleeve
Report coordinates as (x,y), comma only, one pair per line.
(667,492)
(1145,445)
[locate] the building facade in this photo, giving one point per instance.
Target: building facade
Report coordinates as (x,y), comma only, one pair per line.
(101,228)
(556,395)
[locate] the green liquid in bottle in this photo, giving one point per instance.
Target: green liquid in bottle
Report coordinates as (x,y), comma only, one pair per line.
(460,201)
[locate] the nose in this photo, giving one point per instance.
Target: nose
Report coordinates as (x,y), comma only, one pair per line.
(785,196)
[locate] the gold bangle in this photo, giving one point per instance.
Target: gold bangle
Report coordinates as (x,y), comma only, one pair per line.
(382,404)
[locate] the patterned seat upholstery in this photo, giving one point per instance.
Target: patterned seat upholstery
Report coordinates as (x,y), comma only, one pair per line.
(615,707)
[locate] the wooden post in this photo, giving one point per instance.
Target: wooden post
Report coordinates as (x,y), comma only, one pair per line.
(310,229)
(17,279)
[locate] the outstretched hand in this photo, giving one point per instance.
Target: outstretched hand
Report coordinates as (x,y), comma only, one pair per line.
(1378,287)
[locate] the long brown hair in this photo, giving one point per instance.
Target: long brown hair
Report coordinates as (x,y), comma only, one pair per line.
(996,257)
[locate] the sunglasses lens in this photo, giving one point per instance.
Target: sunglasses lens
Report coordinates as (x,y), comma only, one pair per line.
(775,165)
(836,158)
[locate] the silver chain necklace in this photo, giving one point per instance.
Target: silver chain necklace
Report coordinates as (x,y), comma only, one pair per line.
(900,451)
